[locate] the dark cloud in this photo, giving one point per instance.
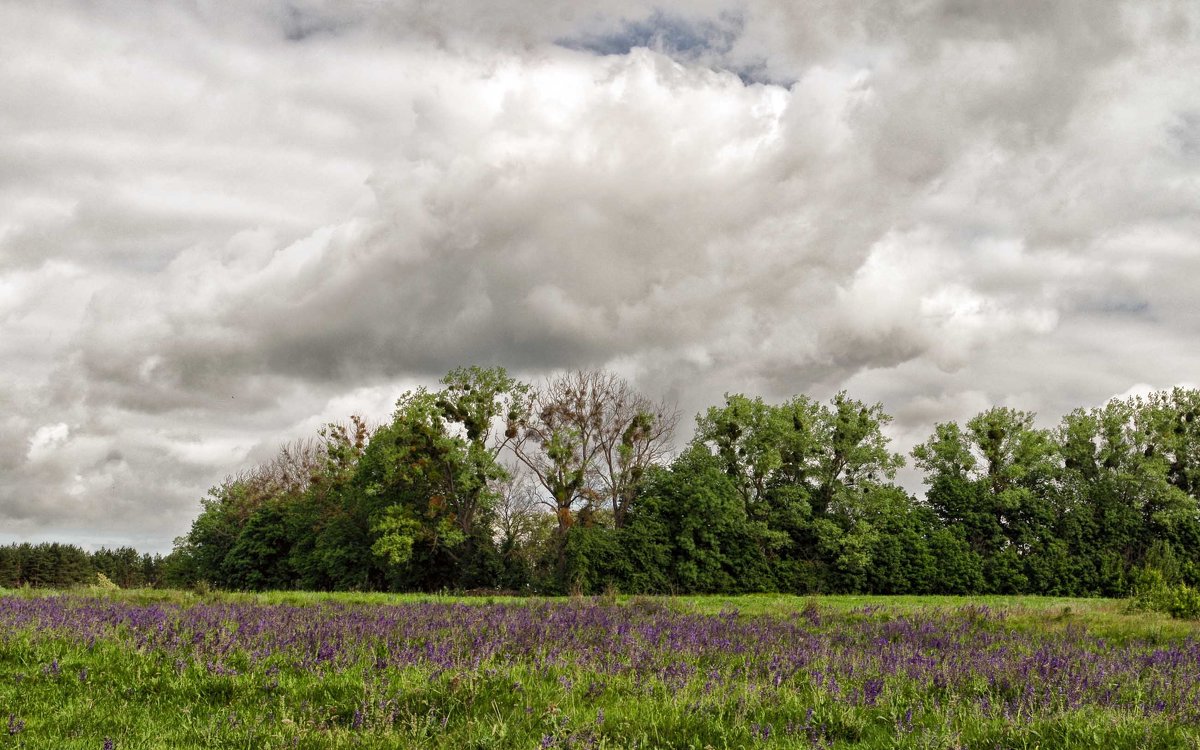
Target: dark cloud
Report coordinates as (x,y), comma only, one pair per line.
(221,227)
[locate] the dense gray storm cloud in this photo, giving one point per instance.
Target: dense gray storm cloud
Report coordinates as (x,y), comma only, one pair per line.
(223,224)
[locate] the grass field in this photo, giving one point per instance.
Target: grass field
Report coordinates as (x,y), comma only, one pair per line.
(165,669)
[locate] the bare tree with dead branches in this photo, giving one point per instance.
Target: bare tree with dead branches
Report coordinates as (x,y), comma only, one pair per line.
(587,438)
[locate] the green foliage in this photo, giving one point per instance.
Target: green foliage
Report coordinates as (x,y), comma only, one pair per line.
(395,531)
(1158,589)
(595,561)
(258,559)
(1183,602)
(692,522)
(804,472)
(61,566)
(796,496)
(409,505)
(104,583)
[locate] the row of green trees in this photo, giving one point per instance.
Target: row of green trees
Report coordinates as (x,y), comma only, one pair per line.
(570,486)
(53,565)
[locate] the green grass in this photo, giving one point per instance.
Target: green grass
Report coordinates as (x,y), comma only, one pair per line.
(71,694)
(1111,618)
(1108,618)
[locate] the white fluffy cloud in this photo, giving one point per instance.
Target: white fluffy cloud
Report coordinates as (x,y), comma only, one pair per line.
(221,226)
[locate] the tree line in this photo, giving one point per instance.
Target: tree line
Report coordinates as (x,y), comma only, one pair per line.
(572,486)
(60,566)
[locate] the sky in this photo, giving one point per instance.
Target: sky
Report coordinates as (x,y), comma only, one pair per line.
(223,225)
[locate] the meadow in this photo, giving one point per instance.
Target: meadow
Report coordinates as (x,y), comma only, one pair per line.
(165,669)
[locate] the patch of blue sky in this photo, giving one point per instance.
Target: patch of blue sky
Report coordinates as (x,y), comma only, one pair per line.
(1119,306)
(704,41)
(663,32)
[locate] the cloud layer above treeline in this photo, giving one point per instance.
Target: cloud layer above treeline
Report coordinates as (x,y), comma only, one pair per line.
(224,224)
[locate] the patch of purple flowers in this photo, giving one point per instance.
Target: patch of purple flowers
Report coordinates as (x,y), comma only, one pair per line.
(902,667)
